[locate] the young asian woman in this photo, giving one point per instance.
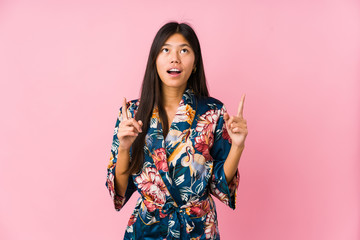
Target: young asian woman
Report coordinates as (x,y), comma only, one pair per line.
(175,145)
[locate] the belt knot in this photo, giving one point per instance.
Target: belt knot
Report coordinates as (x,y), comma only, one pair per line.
(177,218)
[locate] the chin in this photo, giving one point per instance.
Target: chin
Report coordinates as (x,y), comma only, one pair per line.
(174,84)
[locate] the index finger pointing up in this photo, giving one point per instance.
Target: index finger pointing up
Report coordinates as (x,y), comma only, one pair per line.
(241,106)
(124,110)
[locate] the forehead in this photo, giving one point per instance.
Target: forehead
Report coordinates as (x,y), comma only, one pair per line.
(175,40)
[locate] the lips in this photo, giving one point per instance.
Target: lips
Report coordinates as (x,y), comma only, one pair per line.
(174,74)
(174,71)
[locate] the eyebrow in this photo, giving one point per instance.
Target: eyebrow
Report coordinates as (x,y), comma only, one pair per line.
(181,45)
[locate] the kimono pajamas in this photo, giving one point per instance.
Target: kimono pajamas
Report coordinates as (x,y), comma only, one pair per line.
(179,173)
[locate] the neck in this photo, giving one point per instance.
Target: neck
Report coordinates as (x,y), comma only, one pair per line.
(172,96)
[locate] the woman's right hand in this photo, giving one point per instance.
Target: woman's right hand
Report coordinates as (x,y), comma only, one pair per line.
(128,130)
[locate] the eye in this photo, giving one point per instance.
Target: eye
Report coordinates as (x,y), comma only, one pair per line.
(185,49)
(164,49)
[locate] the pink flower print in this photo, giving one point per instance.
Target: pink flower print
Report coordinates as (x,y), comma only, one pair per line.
(152,188)
(118,200)
(150,205)
(200,209)
(203,143)
(160,159)
(207,122)
(210,226)
(131,220)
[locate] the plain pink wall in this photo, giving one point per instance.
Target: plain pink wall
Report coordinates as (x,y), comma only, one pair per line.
(65,66)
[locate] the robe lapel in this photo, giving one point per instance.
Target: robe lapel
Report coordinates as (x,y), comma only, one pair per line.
(160,149)
(182,122)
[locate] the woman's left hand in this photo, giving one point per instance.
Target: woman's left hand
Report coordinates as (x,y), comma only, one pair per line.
(236,125)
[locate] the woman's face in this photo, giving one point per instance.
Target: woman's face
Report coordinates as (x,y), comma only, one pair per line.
(175,55)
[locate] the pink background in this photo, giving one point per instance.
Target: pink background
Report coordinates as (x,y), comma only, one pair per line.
(65,66)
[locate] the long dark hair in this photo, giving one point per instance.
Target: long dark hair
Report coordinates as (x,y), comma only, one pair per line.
(151,92)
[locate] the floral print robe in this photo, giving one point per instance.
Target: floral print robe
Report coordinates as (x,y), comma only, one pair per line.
(179,173)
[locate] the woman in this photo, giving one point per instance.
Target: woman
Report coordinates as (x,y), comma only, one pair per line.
(176,145)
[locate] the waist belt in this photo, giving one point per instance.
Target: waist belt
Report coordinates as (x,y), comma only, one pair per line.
(179,217)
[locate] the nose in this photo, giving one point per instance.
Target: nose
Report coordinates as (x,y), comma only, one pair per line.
(174,57)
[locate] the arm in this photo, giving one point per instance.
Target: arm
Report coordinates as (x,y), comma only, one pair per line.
(232,162)
(119,183)
(121,178)
(236,130)
(225,157)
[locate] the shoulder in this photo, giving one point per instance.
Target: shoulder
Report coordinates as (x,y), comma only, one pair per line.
(211,103)
(132,107)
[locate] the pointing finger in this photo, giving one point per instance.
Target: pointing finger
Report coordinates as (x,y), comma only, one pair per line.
(241,106)
(124,110)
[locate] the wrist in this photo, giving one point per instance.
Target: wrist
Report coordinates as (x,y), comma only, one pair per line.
(238,147)
(123,150)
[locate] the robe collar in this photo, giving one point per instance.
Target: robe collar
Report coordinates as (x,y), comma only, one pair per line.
(160,149)
(180,126)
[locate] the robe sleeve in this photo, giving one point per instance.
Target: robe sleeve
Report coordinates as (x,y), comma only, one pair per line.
(118,200)
(219,187)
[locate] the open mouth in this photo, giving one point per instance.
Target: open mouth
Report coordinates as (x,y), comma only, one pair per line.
(174,71)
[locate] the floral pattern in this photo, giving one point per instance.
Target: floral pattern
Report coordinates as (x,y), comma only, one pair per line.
(179,173)
(152,188)
(160,159)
